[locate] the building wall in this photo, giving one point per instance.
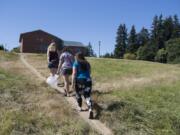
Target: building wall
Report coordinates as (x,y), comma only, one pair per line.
(36,42)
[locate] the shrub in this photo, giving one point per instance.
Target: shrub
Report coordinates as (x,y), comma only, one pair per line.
(173,50)
(146,52)
(161,56)
(16,49)
(1,47)
(130,56)
(108,55)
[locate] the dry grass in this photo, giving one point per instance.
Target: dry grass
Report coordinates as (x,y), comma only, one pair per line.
(29,106)
(134,97)
(141,74)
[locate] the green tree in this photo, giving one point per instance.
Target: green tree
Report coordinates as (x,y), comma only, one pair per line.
(176,27)
(146,52)
(132,41)
(168,28)
(1,47)
(173,50)
(161,56)
(121,41)
(157,33)
(142,37)
(108,55)
(154,31)
(90,50)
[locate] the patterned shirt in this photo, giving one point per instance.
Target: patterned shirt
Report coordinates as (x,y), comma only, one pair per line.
(67,60)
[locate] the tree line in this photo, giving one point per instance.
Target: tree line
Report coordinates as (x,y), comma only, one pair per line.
(161,43)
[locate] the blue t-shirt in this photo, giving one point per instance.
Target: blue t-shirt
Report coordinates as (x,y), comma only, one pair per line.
(80,73)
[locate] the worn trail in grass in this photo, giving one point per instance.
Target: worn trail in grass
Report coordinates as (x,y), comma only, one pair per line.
(96,124)
(29,106)
(134,97)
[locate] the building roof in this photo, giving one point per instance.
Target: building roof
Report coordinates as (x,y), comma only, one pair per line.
(27,33)
(65,43)
(73,43)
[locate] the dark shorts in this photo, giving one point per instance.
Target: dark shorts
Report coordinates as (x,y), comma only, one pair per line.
(53,64)
(66,71)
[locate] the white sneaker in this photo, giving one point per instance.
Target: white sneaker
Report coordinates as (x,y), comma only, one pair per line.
(79,108)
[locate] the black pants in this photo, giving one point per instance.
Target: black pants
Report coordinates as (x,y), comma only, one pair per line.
(83,87)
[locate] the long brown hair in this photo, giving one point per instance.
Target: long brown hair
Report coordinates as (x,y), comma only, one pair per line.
(84,64)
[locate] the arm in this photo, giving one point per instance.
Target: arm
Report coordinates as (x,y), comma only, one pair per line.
(60,64)
(48,56)
(74,72)
(59,67)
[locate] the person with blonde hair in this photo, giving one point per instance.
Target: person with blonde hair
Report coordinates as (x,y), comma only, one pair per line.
(52,58)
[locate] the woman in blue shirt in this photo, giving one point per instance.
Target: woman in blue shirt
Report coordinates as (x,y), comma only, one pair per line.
(81,81)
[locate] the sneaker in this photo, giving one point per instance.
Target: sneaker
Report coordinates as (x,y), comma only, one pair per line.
(65,93)
(90,114)
(79,109)
(68,95)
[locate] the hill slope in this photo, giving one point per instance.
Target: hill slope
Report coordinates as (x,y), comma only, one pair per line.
(134,97)
(28,106)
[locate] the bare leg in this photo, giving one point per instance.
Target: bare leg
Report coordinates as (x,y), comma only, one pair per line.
(54,70)
(51,71)
(66,83)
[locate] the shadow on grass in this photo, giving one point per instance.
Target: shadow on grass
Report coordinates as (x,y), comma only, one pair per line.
(97,106)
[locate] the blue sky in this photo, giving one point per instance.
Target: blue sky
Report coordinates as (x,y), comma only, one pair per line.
(79,20)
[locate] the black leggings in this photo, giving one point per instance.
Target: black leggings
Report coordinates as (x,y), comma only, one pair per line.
(83,87)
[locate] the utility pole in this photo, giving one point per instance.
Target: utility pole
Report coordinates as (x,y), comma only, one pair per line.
(5,47)
(99,49)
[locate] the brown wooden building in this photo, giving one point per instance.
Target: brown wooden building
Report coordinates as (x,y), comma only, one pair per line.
(39,40)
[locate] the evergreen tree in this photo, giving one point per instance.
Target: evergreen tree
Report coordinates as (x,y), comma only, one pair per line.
(176,27)
(142,37)
(90,50)
(157,33)
(121,41)
(168,28)
(154,31)
(132,41)
(1,47)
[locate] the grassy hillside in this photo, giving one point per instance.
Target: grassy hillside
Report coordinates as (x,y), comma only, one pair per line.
(30,107)
(143,97)
(134,97)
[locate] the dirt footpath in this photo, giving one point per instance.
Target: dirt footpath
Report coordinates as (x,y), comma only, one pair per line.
(96,124)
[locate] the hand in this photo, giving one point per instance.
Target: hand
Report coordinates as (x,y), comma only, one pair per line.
(72,88)
(57,72)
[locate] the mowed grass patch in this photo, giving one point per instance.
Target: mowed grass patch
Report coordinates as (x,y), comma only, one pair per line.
(111,74)
(112,69)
